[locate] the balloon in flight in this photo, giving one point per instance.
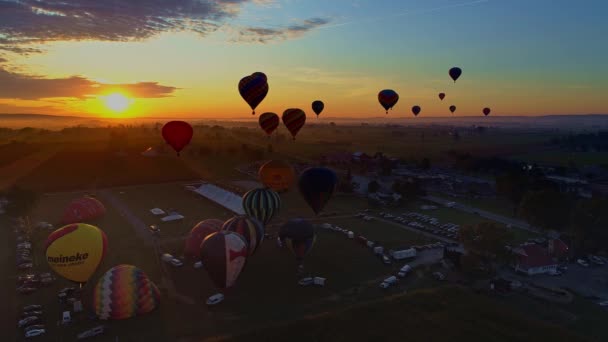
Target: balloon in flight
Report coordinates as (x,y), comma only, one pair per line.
(317,185)
(277,175)
(452,109)
(416,110)
(299,236)
(486,111)
(198,234)
(249,228)
(455,73)
(269,122)
(224,255)
(177,134)
(253,89)
(441,96)
(294,119)
(317,107)
(76,250)
(262,204)
(388,98)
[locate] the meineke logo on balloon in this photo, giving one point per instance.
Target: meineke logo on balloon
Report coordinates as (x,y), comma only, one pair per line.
(70,260)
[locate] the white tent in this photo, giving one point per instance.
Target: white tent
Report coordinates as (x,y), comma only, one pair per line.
(173,217)
(225,198)
(157,211)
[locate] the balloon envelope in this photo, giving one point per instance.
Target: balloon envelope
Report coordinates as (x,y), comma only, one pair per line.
(262,204)
(198,234)
(277,175)
(249,228)
(452,109)
(177,134)
(441,96)
(223,255)
(76,250)
(83,209)
(123,292)
(416,110)
(455,73)
(294,119)
(486,111)
(269,122)
(317,185)
(388,98)
(253,89)
(299,236)
(317,107)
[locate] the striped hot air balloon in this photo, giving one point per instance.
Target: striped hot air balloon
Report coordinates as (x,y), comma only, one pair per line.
(123,292)
(262,204)
(253,89)
(269,122)
(294,119)
(251,229)
(224,255)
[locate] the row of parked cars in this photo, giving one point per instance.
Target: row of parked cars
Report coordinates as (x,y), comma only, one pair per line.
(31,321)
(30,282)
(414,219)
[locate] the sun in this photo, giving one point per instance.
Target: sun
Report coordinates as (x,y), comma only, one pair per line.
(117,102)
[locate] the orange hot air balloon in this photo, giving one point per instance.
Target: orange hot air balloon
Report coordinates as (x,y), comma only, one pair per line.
(277,175)
(74,251)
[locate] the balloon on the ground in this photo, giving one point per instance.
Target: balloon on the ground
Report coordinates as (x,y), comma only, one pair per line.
(317,107)
(455,73)
(317,185)
(294,119)
(269,122)
(76,250)
(198,234)
(299,236)
(82,210)
(486,111)
(253,89)
(441,96)
(388,98)
(277,175)
(123,292)
(416,110)
(262,204)
(452,109)
(249,228)
(177,134)
(223,255)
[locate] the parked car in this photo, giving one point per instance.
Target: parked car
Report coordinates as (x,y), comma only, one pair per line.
(31,313)
(306,281)
(215,299)
(28,321)
(439,276)
(33,327)
(34,333)
(582,262)
(25,266)
(25,277)
(25,290)
(32,307)
(98,330)
(596,260)
(176,262)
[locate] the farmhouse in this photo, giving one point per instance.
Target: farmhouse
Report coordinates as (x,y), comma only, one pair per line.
(534,259)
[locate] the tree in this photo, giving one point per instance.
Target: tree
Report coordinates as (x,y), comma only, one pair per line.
(487,241)
(373,187)
(20,201)
(547,209)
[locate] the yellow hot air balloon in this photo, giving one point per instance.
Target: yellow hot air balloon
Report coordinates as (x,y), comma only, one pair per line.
(74,251)
(277,175)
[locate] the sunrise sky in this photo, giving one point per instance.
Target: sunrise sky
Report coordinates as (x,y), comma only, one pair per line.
(184,58)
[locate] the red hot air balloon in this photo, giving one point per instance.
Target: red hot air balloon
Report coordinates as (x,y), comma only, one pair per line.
(416,110)
(388,98)
(455,73)
(294,119)
(198,234)
(177,134)
(452,109)
(441,96)
(486,111)
(269,122)
(253,89)
(82,210)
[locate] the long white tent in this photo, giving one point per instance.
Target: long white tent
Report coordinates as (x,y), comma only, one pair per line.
(225,198)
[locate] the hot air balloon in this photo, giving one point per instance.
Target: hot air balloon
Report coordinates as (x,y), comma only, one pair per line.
(262,204)
(223,255)
(388,98)
(198,234)
(294,119)
(317,107)
(486,111)
(83,209)
(441,96)
(452,109)
(74,251)
(253,89)
(299,236)
(249,228)
(177,134)
(124,291)
(269,122)
(455,73)
(277,175)
(317,185)
(416,110)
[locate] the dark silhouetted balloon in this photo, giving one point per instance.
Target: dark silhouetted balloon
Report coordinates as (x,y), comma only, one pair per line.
(177,134)
(455,73)
(299,236)
(452,109)
(486,111)
(317,107)
(416,110)
(441,96)
(294,119)
(269,122)
(253,89)
(317,185)
(388,98)
(198,234)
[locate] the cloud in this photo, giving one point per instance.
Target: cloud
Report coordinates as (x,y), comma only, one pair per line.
(28,87)
(27,22)
(266,35)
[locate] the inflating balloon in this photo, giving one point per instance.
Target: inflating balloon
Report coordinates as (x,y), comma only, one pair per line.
(388,98)
(223,255)
(123,292)
(452,109)
(486,111)
(277,175)
(317,185)
(455,73)
(198,234)
(299,236)
(249,228)
(294,119)
(76,250)
(83,209)
(317,107)
(262,204)
(416,110)
(269,122)
(253,89)
(441,96)
(177,134)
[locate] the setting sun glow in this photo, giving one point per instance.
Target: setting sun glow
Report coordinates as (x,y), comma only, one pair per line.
(117,102)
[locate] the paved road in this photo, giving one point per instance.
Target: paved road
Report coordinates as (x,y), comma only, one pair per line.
(486,214)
